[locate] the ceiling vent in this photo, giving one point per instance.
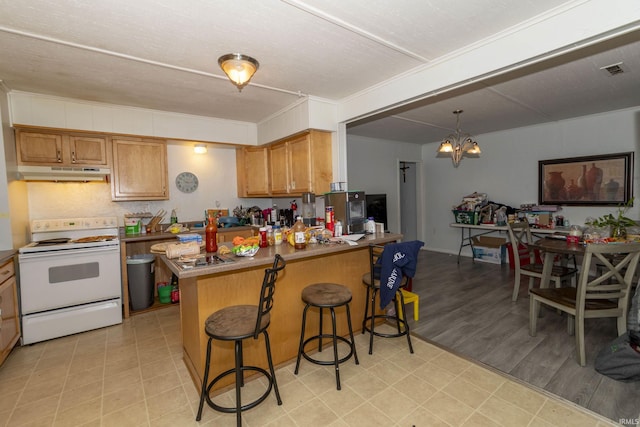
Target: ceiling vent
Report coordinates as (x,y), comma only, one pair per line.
(614,69)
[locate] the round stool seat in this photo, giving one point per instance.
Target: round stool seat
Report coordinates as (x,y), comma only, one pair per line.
(326,295)
(235,322)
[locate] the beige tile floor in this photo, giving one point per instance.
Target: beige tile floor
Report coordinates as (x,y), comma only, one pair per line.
(133,375)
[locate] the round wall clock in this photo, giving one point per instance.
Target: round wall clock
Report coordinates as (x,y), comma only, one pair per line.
(187,182)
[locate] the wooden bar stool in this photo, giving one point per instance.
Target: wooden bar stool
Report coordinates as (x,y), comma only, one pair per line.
(331,296)
(237,323)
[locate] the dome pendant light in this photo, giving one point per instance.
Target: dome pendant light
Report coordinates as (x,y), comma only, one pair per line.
(239,68)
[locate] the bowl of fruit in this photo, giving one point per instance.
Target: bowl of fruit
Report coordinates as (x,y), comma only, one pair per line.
(245,247)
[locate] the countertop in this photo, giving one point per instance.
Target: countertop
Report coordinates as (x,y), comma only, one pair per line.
(264,257)
(145,237)
(5,255)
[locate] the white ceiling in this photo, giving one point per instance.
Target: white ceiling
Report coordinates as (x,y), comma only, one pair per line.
(162,54)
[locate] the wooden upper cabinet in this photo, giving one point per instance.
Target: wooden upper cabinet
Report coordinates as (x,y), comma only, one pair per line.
(88,150)
(252,168)
(279,164)
(59,148)
(139,169)
(299,160)
(295,165)
(302,163)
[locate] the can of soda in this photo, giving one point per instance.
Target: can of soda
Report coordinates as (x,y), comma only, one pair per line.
(329,218)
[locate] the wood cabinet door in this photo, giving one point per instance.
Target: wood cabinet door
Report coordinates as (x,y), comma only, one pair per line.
(321,162)
(256,171)
(278,165)
(86,150)
(9,321)
(139,169)
(39,148)
(227,236)
(299,165)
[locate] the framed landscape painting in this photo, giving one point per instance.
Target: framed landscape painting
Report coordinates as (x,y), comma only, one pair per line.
(586,181)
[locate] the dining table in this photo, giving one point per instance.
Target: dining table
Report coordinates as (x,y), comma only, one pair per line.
(551,247)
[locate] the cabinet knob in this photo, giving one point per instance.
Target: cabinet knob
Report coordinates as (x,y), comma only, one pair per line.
(73,157)
(59,157)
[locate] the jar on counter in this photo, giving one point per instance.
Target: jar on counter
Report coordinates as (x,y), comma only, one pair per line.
(277,235)
(271,240)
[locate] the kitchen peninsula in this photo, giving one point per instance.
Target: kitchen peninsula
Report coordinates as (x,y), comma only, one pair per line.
(137,244)
(204,290)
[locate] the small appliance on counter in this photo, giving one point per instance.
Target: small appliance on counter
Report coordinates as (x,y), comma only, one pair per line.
(309,209)
(350,208)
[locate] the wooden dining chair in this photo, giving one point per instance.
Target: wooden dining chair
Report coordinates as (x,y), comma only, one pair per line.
(526,262)
(603,295)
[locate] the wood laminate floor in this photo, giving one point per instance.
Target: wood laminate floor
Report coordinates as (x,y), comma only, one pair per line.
(467,308)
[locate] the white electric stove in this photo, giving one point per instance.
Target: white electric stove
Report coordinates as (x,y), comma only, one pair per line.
(69,277)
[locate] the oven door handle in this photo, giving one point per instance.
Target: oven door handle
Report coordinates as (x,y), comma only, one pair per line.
(68,252)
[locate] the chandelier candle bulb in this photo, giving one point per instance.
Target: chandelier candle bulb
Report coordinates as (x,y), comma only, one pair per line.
(458,144)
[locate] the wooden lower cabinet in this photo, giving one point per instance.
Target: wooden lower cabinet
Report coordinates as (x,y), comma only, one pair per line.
(161,272)
(9,320)
(225,235)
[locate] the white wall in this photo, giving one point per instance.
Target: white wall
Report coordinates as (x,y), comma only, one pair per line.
(373,168)
(507,169)
(13,200)
(216,174)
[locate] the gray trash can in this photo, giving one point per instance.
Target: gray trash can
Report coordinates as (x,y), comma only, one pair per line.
(140,269)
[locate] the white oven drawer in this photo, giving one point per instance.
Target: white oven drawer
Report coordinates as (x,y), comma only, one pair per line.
(58,323)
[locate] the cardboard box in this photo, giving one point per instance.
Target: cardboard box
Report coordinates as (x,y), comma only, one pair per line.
(489,249)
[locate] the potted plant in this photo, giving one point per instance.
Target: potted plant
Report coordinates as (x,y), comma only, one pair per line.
(617,223)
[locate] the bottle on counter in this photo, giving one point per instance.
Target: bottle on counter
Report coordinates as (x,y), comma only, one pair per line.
(174,217)
(263,237)
(370,225)
(211,235)
(337,232)
(299,238)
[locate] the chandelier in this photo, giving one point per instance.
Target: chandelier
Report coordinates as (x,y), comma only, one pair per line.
(239,68)
(458,144)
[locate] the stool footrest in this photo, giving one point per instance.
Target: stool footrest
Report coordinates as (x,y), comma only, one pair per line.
(327,362)
(403,322)
(233,410)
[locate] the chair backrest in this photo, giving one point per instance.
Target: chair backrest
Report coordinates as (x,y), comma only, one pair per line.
(520,237)
(268,289)
(617,278)
(375,262)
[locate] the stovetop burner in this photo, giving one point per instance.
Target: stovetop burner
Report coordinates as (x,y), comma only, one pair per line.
(52,242)
(58,235)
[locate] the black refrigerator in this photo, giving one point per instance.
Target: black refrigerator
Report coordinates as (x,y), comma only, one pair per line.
(377,208)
